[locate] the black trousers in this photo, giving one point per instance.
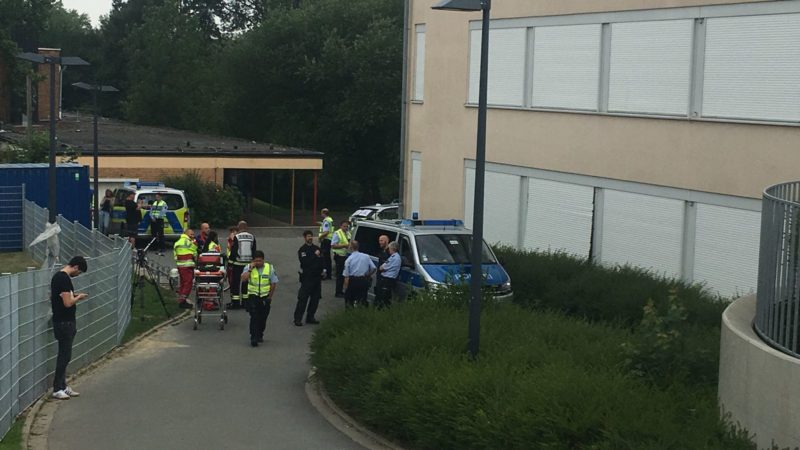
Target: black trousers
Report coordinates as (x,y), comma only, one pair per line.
(309,294)
(357,289)
(383,292)
(259,311)
(157,231)
(65,335)
(238,289)
(325,247)
(339,271)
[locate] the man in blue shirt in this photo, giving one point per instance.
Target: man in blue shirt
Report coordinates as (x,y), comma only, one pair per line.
(390,271)
(358,270)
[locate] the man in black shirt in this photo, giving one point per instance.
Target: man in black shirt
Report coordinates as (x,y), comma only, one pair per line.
(63,300)
(132,219)
(311,266)
(383,256)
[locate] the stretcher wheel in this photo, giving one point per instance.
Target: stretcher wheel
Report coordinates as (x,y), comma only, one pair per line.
(225,318)
(194,327)
(221,324)
(199,318)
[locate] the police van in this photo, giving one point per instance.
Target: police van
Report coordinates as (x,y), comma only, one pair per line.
(176,221)
(433,253)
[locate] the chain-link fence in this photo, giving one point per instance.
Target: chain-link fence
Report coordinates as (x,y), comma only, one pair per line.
(27,347)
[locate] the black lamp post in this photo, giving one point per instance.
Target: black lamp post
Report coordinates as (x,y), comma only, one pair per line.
(476,272)
(95,88)
(53,61)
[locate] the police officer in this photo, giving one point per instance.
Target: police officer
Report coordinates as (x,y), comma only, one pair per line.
(158,210)
(325,235)
(339,244)
(358,270)
(383,255)
(242,250)
(185,257)
(261,282)
(389,272)
(311,266)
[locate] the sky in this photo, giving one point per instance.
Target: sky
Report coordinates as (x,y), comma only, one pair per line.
(93,8)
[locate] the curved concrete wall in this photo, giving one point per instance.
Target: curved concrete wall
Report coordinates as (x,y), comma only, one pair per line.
(758,385)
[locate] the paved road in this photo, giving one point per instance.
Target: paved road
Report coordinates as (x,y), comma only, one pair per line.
(208,389)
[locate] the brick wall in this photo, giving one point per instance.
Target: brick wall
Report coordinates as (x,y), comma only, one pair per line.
(43,86)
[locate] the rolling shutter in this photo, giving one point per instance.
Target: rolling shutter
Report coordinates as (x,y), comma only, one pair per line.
(752,67)
(650,67)
(501,206)
(506,66)
(566,67)
(559,217)
(726,249)
(419,64)
(643,231)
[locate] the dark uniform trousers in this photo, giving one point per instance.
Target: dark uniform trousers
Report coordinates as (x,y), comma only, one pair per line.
(238,288)
(339,273)
(259,311)
(157,231)
(65,335)
(325,249)
(309,294)
(383,291)
(357,289)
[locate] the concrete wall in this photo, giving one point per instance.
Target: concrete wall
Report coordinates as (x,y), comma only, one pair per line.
(758,385)
(697,155)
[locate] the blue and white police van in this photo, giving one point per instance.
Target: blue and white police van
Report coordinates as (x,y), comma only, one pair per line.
(433,252)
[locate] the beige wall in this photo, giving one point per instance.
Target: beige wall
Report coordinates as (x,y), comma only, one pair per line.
(727,158)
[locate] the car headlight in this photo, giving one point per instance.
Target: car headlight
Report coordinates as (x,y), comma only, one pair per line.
(505,287)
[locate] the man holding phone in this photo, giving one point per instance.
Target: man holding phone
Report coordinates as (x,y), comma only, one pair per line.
(63,300)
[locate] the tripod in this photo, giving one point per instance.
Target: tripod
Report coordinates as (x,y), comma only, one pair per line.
(143,268)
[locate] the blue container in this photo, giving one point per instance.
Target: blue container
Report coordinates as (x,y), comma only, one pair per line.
(73,195)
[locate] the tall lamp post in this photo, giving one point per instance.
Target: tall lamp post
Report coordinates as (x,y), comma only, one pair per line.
(95,89)
(476,272)
(53,61)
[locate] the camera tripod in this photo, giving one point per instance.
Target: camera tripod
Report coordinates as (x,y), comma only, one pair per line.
(143,270)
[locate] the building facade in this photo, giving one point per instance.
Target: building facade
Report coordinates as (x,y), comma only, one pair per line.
(625,131)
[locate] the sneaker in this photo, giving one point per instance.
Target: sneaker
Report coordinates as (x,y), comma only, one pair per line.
(71,393)
(184,305)
(297,323)
(160,253)
(312,321)
(61,395)
(252,344)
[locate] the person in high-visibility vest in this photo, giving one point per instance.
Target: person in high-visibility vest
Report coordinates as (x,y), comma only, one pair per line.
(242,250)
(324,236)
(158,210)
(262,280)
(185,256)
(339,243)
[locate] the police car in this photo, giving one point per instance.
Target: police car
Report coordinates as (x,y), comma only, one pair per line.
(376,212)
(176,219)
(433,253)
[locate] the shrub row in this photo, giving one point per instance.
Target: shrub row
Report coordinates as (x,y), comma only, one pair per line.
(542,380)
(220,207)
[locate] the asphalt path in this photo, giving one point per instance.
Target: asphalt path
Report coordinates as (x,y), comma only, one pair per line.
(208,389)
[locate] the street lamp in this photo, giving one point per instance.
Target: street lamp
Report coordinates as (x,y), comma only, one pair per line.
(95,88)
(53,61)
(476,272)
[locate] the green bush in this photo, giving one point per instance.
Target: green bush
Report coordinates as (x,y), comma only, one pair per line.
(675,325)
(220,207)
(541,381)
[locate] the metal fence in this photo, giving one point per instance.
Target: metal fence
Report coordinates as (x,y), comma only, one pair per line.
(778,298)
(27,347)
(11,217)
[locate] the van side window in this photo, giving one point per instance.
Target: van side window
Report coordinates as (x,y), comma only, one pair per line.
(367,238)
(406,253)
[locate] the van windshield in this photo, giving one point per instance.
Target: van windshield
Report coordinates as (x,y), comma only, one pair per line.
(449,249)
(173,201)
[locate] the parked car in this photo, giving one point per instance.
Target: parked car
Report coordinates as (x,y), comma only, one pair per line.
(177,217)
(376,212)
(433,253)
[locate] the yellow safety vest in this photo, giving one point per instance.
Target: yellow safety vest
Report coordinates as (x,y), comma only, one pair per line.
(185,251)
(258,284)
(157,209)
(213,247)
(325,234)
(344,239)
